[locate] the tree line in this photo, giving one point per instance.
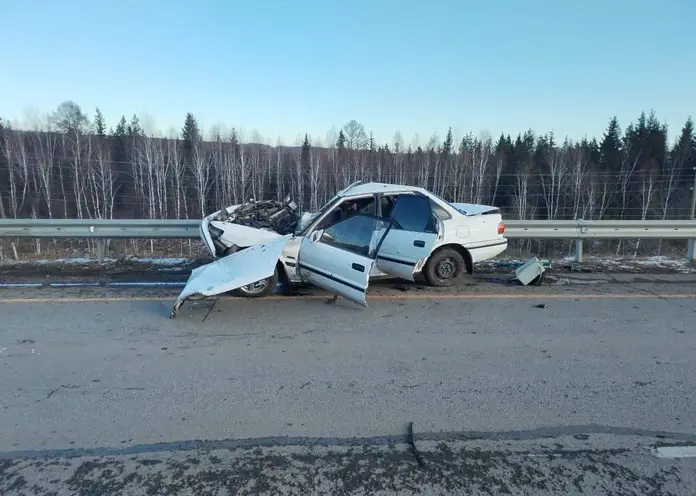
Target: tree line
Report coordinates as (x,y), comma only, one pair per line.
(74,167)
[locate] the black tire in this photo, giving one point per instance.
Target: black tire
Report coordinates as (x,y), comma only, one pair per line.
(445,268)
(260,288)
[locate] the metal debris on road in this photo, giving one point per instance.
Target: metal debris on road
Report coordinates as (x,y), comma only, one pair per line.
(531,272)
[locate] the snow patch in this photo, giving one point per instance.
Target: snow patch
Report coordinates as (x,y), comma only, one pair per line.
(672,452)
(629,264)
(161,261)
(81,260)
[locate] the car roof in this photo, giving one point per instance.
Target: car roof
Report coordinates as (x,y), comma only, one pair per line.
(366,188)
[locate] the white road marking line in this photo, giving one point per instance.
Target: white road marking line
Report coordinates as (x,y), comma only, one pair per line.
(675,452)
(72,284)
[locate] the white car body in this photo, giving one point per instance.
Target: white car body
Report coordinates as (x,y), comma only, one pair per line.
(316,253)
(472,226)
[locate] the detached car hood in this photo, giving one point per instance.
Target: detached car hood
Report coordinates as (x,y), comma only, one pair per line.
(475,209)
(233,271)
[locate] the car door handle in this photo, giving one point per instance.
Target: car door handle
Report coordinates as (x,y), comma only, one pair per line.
(419,243)
(358,267)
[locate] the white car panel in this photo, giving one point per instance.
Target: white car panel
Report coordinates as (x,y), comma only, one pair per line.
(340,259)
(402,251)
(335,270)
(473,208)
(239,269)
(237,234)
(487,250)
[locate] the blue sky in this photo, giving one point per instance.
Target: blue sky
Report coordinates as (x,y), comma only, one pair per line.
(285,68)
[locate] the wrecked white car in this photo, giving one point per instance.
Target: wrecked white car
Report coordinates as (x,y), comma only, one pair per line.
(367,230)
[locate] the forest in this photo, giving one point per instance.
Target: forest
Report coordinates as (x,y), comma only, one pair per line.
(76,167)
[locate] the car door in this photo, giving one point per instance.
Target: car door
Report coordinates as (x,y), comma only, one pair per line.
(340,257)
(411,238)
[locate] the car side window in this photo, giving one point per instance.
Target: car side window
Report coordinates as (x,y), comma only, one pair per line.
(439,211)
(348,209)
(413,213)
(358,234)
(387,203)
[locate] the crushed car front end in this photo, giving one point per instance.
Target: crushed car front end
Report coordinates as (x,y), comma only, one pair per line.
(211,239)
(247,224)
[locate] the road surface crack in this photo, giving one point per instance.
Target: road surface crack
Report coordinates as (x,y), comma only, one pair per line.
(412,443)
(62,386)
(210,309)
(661,297)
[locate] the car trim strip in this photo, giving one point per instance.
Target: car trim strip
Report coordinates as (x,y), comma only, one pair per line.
(332,277)
(486,246)
(395,260)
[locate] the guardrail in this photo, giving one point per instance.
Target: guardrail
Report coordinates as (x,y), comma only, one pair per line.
(102,229)
(99,228)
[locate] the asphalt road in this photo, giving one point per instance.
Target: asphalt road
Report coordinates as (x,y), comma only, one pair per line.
(102,393)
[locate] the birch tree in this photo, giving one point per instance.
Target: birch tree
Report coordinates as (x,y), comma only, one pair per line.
(397,175)
(178,171)
(521,192)
(45,149)
(460,167)
(101,181)
(578,177)
(17,159)
(146,158)
(161,175)
(647,191)
(553,179)
(482,154)
(200,169)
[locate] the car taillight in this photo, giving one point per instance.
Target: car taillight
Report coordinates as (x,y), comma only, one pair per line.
(501,227)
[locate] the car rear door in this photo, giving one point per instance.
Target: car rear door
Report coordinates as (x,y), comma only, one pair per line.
(410,240)
(339,258)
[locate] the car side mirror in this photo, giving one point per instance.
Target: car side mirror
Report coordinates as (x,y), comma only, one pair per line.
(316,235)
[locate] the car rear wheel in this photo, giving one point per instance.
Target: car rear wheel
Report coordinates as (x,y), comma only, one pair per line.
(444,268)
(259,288)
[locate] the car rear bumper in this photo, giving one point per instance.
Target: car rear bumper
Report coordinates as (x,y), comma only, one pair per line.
(487,250)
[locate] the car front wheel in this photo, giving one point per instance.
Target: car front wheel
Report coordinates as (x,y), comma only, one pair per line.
(259,288)
(444,268)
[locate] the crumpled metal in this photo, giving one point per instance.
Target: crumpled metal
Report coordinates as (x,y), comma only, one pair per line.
(277,216)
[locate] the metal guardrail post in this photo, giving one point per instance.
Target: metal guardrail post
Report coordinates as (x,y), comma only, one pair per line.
(691,255)
(578,250)
(101,249)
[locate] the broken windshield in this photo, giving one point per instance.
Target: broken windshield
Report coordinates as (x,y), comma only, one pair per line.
(306,220)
